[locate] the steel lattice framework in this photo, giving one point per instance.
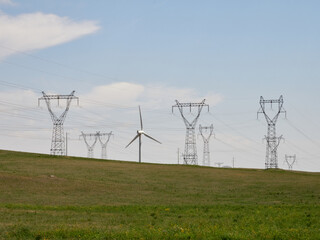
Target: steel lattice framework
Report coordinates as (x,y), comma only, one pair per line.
(90,147)
(206,151)
(272,140)
(58,139)
(290,160)
(104,143)
(190,151)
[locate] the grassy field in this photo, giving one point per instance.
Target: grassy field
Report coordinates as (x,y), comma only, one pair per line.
(46,197)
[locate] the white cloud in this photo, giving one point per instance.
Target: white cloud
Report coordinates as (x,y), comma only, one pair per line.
(33,31)
(131,94)
(118,93)
(7,2)
(18,98)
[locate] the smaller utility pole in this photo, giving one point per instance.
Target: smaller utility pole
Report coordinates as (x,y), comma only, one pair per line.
(66,144)
(178,156)
(290,160)
(232,162)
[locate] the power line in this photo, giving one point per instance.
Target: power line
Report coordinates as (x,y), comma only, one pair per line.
(233,129)
(18,86)
(302,133)
(239,133)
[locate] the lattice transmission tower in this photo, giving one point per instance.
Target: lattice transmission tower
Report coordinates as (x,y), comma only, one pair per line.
(206,132)
(90,147)
(272,140)
(104,143)
(190,151)
(58,146)
(290,160)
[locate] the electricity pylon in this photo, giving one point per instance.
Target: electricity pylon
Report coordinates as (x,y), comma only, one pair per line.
(104,144)
(190,151)
(90,147)
(206,152)
(290,160)
(58,140)
(272,140)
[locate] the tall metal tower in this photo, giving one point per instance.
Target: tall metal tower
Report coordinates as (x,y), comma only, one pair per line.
(104,143)
(272,140)
(89,146)
(206,152)
(290,160)
(190,151)
(58,139)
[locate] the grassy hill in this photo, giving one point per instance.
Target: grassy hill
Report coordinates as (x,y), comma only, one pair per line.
(47,197)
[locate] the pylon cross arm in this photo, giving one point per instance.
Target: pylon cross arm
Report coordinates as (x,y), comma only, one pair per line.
(107,140)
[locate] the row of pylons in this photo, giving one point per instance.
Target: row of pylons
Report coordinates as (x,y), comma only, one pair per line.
(190,156)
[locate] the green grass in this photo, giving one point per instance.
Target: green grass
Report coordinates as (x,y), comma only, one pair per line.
(46,197)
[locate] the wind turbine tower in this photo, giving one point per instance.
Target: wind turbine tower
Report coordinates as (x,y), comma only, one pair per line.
(58,146)
(190,151)
(206,151)
(139,135)
(272,140)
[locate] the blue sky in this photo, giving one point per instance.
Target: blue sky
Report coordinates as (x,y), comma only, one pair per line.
(119,54)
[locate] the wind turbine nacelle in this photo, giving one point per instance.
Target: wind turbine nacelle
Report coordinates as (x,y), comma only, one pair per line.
(140,132)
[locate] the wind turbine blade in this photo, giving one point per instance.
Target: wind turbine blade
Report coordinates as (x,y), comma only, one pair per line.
(151,138)
(133,140)
(140,119)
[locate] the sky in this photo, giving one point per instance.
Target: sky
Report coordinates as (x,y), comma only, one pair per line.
(119,54)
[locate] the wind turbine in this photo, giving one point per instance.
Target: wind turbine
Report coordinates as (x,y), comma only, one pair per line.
(139,134)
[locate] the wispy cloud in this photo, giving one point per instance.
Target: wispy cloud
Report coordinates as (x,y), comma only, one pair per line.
(34,31)
(7,2)
(151,96)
